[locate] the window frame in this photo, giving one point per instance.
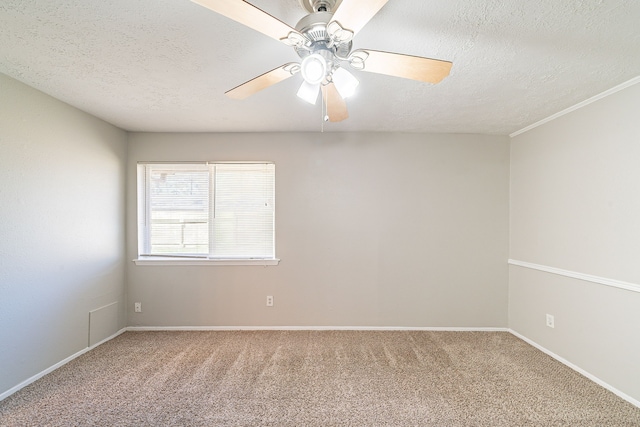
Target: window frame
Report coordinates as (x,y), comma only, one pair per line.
(143,214)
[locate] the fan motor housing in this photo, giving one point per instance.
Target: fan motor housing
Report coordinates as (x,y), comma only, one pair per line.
(314,27)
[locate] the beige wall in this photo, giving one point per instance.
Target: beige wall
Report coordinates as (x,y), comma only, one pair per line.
(373,230)
(61,228)
(575,205)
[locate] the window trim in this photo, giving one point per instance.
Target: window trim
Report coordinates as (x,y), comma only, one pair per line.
(178,261)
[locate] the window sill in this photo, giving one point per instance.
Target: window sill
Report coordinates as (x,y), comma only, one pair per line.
(203,261)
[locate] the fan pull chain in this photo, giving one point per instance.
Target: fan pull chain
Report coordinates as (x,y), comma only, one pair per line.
(321,111)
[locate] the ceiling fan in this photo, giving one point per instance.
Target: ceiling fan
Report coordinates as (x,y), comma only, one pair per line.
(323,41)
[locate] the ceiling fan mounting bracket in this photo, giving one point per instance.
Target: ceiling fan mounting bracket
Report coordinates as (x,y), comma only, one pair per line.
(313,6)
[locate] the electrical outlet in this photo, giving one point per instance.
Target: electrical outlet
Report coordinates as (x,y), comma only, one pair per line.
(137,307)
(550,321)
(269,300)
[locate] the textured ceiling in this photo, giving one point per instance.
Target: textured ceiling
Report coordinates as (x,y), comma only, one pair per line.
(164,65)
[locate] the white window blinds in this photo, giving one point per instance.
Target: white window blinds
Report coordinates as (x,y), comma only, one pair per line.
(243,211)
(212,210)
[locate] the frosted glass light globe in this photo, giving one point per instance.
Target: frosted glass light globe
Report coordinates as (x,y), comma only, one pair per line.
(313,69)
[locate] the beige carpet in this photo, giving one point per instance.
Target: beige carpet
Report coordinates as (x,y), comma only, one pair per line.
(315,378)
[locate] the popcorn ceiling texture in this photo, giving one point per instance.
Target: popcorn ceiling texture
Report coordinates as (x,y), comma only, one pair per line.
(316,378)
(164,65)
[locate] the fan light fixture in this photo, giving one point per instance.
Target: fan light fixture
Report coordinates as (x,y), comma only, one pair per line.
(345,82)
(313,69)
(309,92)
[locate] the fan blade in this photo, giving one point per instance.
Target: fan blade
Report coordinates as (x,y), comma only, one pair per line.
(336,107)
(407,66)
(263,81)
(249,15)
(352,15)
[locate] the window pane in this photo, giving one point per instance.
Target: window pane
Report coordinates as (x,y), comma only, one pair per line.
(243,224)
(178,209)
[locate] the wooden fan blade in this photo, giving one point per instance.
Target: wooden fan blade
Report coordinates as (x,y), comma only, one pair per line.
(336,107)
(354,14)
(249,15)
(261,82)
(407,66)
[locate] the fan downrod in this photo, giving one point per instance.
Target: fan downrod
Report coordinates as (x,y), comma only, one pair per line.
(313,6)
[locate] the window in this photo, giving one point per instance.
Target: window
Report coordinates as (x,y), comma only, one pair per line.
(218,212)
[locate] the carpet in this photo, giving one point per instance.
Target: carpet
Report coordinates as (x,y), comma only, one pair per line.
(315,378)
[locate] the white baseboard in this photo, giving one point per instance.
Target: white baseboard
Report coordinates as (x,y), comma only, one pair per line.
(312,328)
(50,369)
(578,369)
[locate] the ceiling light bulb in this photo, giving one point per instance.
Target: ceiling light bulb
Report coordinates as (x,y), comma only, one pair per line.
(309,92)
(313,69)
(345,82)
